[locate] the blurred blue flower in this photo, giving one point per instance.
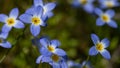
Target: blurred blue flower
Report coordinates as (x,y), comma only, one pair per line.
(99,47)
(86,64)
(3,42)
(108,3)
(86,4)
(105,17)
(72,64)
(47,8)
(35,19)
(54,60)
(11,21)
(51,47)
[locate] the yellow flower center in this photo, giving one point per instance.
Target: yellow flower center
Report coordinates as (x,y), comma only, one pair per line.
(109,4)
(55,58)
(83,2)
(99,46)
(36,20)
(105,18)
(10,21)
(51,48)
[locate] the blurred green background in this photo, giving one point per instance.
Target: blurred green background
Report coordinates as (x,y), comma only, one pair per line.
(71,26)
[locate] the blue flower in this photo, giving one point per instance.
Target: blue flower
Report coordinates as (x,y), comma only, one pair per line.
(105,17)
(51,47)
(99,47)
(35,19)
(11,21)
(108,3)
(3,42)
(86,4)
(72,64)
(47,8)
(54,60)
(86,64)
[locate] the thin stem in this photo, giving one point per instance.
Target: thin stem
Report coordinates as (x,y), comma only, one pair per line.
(86,61)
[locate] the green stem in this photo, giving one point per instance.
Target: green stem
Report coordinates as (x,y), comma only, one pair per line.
(86,61)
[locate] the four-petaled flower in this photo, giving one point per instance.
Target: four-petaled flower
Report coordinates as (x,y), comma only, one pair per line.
(108,3)
(51,47)
(11,21)
(99,47)
(3,42)
(35,19)
(105,18)
(54,60)
(86,4)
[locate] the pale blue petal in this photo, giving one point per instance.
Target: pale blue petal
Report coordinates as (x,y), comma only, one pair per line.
(6,45)
(26,18)
(44,42)
(38,3)
(14,13)
(44,51)
(6,28)
(99,22)
(55,43)
(64,64)
(19,24)
(106,42)
(89,8)
(98,11)
(105,54)
(4,35)
(60,52)
(56,65)
(3,18)
(112,24)
(75,3)
(38,60)
(38,11)
(111,13)
(49,7)
(95,38)
(93,51)
(46,59)
(35,30)
(30,10)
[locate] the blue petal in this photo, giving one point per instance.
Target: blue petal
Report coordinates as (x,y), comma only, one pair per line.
(30,10)
(49,7)
(106,42)
(112,24)
(3,18)
(38,3)
(55,43)
(6,28)
(14,13)
(19,24)
(56,65)
(89,8)
(93,51)
(50,14)
(39,59)
(38,11)
(6,45)
(46,59)
(64,64)
(95,38)
(44,42)
(99,22)
(60,52)
(105,54)
(111,13)
(98,11)
(35,30)
(45,52)
(26,18)
(4,35)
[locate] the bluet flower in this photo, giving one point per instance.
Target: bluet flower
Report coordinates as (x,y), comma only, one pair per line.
(35,19)
(105,17)
(11,20)
(86,4)
(86,64)
(72,64)
(99,47)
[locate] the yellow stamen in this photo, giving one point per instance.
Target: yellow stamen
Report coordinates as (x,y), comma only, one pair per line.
(83,2)
(51,48)
(36,20)
(10,21)
(55,58)
(105,18)
(109,4)
(99,46)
